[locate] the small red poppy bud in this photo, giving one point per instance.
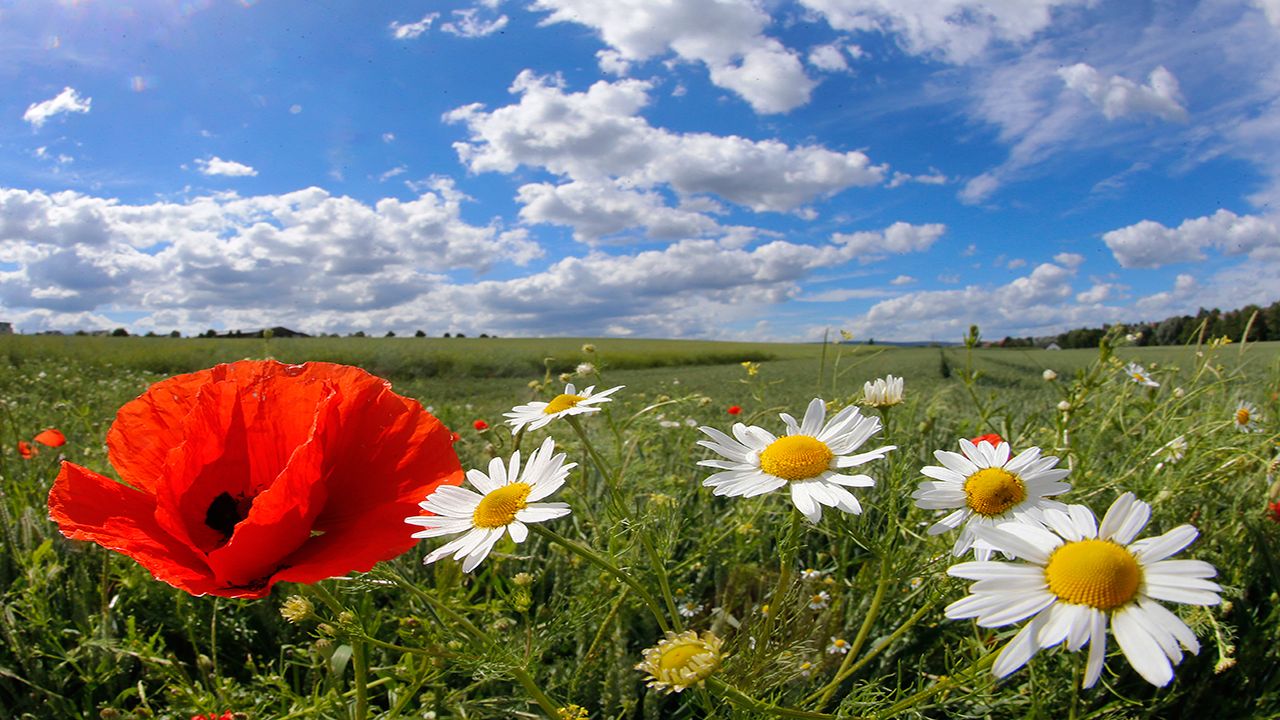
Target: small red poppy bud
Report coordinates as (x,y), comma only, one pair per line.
(734,409)
(1273,511)
(480,425)
(992,438)
(26,450)
(51,438)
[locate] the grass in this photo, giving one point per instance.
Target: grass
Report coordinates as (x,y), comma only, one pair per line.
(87,632)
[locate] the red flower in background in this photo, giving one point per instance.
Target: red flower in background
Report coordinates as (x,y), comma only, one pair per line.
(734,409)
(26,450)
(992,438)
(1273,511)
(480,425)
(51,438)
(256,472)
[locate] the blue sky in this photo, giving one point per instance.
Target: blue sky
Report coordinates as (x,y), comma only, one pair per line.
(729,169)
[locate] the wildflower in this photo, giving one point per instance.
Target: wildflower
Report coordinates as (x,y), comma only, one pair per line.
(819,600)
(51,438)
(1049,375)
(1273,511)
(991,439)
(884,392)
(480,425)
(297,609)
(689,609)
(522,579)
(1064,405)
(988,487)
(810,458)
(752,368)
(572,712)
(846,336)
(1246,417)
(1139,375)
(228,715)
(805,669)
(1073,582)
(681,661)
(588,348)
(811,574)
(538,414)
(734,410)
(256,472)
(1171,452)
(508,502)
(838,646)
(585,368)
(26,450)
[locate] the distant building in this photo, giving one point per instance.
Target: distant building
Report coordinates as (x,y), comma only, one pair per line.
(1052,346)
(6,328)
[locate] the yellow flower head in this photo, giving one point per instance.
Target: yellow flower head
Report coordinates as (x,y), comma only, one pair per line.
(682,660)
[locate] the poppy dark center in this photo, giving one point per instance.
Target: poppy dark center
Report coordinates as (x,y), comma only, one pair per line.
(225,512)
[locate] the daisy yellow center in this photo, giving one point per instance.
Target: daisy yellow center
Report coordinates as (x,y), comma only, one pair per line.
(498,508)
(1242,416)
(562,402)
(1097,573)
(992,491)
(796,457)
(679,655)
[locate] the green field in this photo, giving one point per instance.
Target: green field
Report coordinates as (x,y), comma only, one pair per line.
(88,633)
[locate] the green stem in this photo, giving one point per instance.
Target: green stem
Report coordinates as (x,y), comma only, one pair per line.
(787,559)
(737,697)
(663,584)
(599,462)
(360,671)
(944,683)
(868,620)
(592,557)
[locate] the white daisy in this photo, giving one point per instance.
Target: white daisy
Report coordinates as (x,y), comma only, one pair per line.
(809,458)
(884,392)
(1246,417)
(1139,375)
(819,600)
(508,502)
(538,414)
(1171,452)
(1075,581)
(986,487)
(837,646)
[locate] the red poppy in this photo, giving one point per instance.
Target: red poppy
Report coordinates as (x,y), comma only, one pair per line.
(992,438)
(51,438)
(228,715)
(734,409)
(26,450)
(1273,511)
(480,425)
(256,472)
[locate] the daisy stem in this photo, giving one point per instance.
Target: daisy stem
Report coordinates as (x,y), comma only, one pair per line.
(663,583)
(594,558)
(867,621)
(943,683)
(610,479)
(549,707)
(737,697)
(786,553)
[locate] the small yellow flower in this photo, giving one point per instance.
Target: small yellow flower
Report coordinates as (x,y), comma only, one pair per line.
(297,608)
(753,369)
(572,712)
(681,660)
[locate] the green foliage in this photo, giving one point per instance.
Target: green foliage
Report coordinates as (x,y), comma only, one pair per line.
(85,632)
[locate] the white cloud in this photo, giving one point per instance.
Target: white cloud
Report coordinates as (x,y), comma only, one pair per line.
(469,24)
(1272,10)
(1070,261)
(828,57)
(1096,294)
(727,37)
(902,280)
(409,31)
(1148,244)
(599,209)
(67,101)
(1119,97)
(844,294)
(230,168)
(897,239)
(956,31)
(935,177)
(598,134)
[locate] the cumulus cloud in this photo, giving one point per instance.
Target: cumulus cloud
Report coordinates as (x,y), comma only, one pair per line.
(829,58)
(956,31)
(727,37)
(409,31)
(597,210)
(1118,97)
(67,101)
(1148,244)
(598,134)
(468,24)
(897,239)
(229,168)
(306,250)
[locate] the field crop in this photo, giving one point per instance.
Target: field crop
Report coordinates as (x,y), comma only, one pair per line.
(844,617)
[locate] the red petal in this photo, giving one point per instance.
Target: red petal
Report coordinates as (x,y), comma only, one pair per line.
(89,506)
(148,427)
(26,450)
(51,438)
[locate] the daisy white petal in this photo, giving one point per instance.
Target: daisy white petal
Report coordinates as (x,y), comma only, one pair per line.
(537,414)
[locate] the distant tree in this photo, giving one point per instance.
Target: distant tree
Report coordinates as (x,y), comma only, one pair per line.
(81,332)
(175,334)
(484,335)
(419,334)
(150,333)
(460,335)
(358,333)
(119,332)
(390,333)
(447,335)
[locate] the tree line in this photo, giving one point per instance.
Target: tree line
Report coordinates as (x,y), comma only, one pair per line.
(1262,323)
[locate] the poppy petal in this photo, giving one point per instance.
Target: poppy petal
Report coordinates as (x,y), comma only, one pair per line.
(51,438)
(92,507)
